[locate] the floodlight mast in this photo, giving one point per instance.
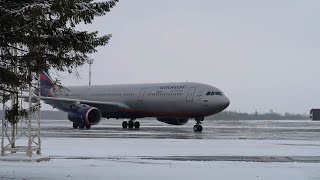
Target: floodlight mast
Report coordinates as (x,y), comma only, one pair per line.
(3,126)
(90,62)
(13,137)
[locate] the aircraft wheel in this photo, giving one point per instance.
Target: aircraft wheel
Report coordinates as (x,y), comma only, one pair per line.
(137,124)
(75,125)
(124,124)
(88,126)
(130,124)
(197,128)
(81,126)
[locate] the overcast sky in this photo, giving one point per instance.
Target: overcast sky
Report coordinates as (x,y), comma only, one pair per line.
(262,54)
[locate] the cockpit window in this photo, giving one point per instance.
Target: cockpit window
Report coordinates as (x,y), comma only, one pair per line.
(211,93)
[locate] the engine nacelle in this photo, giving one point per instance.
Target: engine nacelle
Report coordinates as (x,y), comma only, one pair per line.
(83,113)
(173,120)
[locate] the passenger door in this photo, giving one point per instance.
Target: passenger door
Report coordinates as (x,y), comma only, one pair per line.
(190,94)
(141,94)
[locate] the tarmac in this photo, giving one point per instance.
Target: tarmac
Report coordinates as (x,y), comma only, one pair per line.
(212,129)
(263,149)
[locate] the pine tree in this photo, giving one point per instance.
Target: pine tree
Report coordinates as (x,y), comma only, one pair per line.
(38,35)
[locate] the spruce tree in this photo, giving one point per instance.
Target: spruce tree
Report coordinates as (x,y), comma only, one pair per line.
(38,35)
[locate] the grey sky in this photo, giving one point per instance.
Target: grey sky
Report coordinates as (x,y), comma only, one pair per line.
(262,54)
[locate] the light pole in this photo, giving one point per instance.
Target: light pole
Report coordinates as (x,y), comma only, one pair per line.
(90,62)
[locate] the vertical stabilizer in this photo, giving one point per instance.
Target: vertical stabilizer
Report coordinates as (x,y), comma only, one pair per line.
(46,85)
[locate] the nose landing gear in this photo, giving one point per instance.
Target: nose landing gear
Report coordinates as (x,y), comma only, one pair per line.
(198,127)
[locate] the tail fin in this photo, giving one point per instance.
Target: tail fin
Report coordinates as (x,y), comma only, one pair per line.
(46,85)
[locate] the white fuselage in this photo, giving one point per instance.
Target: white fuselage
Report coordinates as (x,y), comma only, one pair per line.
(150,100)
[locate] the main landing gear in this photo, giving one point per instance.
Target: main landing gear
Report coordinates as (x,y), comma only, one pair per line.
(81,126)
(130,124)
(198,127)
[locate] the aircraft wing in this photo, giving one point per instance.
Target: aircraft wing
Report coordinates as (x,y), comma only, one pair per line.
(102,105)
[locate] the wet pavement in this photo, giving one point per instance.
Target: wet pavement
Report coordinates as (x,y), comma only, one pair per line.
(274,134)
(212,129)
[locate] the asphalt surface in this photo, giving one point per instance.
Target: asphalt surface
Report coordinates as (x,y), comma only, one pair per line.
(212,129)
(302,130)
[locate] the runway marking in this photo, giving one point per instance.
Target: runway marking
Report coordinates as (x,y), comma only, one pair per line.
(301,144)
(265,159)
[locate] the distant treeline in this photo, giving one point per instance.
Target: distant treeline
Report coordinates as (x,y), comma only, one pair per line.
(225,115)
(231,115)
(58,115)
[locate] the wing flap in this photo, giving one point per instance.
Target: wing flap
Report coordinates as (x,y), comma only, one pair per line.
(81,101)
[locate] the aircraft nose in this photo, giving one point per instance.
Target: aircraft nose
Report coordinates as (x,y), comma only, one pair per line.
(223,104)
(226,103)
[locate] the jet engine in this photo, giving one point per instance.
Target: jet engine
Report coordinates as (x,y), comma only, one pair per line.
(173,120)
(84,113)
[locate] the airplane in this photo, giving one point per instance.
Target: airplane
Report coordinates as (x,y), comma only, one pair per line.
(171,103)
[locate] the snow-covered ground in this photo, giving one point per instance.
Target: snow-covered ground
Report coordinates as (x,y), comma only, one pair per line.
(242,150)
(80,158)
(139,169)
(177,147)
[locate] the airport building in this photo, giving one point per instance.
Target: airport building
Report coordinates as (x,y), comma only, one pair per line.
(315,114)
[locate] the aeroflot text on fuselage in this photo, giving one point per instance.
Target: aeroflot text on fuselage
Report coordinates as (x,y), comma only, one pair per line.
(172,87)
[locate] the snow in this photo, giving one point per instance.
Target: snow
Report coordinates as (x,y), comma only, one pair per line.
(100,147)
(101,169)
(158,151)
(22,157)
(120,158)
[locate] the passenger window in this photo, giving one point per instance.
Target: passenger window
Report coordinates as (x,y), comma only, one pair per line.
(212,93)
(208,93)
(219,93)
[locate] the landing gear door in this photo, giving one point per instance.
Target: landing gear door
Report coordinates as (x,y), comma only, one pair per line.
(190,94)
(141,94)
